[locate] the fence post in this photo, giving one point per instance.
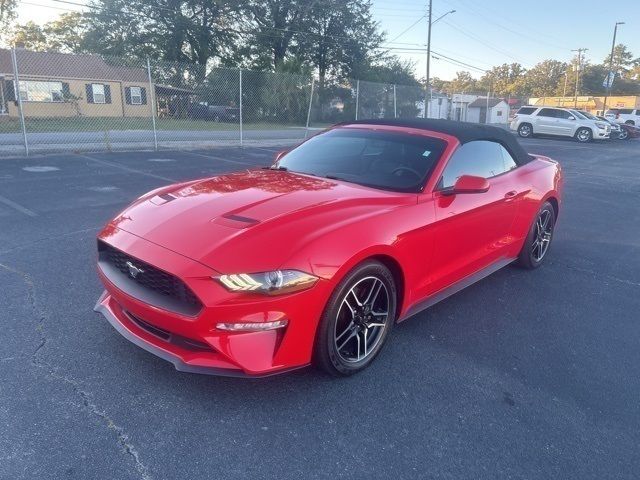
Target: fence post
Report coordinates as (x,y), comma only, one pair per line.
(240,104)
(306,130)
(152,103)
(16,92)
(488,116)
(395,110)
(357,96)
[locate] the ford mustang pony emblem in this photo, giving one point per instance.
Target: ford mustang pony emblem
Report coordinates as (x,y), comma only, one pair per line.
(133,270)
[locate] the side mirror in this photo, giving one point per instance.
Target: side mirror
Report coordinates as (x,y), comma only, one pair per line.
(280,154)
(468,184)
(571,117)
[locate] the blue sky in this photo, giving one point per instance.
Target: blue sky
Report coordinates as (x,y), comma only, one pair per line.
(492,32)
(480,33)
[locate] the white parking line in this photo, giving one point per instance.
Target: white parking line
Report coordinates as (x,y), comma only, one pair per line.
(126,169)
(19,208)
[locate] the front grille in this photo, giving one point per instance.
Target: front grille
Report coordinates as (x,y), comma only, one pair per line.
(150,278)
(169,337)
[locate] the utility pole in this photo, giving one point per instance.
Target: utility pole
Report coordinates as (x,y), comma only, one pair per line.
(426,91)
(611,75)
(575,97)
(430,23)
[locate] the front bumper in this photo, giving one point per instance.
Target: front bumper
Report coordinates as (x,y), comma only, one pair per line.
(193,343)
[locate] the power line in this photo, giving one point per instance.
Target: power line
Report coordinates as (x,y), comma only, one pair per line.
(520,33)
(480,40)
(408,28)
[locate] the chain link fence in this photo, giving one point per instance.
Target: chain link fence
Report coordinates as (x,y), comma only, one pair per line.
(63,102)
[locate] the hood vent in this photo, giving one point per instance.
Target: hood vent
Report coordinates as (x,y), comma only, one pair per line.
(235,221)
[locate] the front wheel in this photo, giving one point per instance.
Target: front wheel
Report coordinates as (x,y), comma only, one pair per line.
(356,320)
(539,238)
(584,135)
(525,130)
(623,135)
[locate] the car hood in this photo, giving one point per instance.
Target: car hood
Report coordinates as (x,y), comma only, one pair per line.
(253,220)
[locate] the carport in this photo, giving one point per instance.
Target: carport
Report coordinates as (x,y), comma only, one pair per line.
(172,101)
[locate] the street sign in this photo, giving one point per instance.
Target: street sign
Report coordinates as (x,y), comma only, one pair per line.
(608,80)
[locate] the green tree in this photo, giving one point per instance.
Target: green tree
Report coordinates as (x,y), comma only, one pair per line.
(65,34)
(462,83)
(505,79)
(543,79)
(7,15)
(31,35)
(192,31)
(274,25)
(339,39)
(623,60)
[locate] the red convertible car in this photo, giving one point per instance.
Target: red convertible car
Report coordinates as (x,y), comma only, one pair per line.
(314,259)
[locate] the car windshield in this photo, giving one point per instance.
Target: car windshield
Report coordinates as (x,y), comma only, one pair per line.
(588,115)
(578,114)
(386,160)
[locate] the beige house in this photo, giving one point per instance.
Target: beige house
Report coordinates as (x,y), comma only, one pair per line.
(69,85)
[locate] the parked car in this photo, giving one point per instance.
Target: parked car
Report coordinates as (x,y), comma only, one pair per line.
(616,128)
(216,113)
(566,122)
(629,131)
(629,116)
(314,259)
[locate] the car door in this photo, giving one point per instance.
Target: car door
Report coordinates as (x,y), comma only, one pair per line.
(473,231)
(546,121)
(565,123)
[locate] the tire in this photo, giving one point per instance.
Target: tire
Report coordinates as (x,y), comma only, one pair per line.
(525,130)
(341,337)
(584,135)
(630,122)
(623,135)
(530,256)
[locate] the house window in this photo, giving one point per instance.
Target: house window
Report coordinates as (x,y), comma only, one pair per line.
(97,89)
(41,91)
(499,113)
(136,96)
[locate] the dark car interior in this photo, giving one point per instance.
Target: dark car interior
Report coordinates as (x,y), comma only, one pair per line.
(391,161)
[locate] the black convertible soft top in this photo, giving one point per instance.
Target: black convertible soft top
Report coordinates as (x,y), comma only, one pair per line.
(463,131)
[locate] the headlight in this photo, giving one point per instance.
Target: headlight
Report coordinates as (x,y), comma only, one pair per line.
(277,282)
(601,125)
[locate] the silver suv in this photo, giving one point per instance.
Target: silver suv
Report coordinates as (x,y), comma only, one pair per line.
(566,122)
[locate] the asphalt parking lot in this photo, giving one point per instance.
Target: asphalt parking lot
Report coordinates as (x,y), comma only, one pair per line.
(524,375)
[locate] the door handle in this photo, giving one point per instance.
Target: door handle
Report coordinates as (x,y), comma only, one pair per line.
(510,194)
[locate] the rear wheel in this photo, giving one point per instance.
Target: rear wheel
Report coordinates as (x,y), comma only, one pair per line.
(623,135)
(630,122)
(584,135)
(525,130)
(539,238)
(357,320)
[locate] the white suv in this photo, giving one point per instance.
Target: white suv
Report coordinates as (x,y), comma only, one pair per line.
(630,116)
(566,122)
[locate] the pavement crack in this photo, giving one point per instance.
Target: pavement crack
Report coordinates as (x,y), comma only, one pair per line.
(37,361)
(121,435)
(37,310)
